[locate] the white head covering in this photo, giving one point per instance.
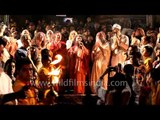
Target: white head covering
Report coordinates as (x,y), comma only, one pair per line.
(116,26)
(7,38)
(68,44)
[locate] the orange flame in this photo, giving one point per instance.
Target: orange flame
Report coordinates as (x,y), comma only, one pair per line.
(58,59)
(56,72)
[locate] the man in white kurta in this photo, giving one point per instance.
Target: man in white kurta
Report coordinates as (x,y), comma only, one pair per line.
(119,45)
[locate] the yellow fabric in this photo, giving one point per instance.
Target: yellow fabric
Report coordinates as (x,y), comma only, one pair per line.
(155,94)
(30,95)
(100,64)
(44,78)
(158,94)
(148,64)
(153,88)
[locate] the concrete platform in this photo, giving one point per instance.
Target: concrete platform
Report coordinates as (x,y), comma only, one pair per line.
(77,99)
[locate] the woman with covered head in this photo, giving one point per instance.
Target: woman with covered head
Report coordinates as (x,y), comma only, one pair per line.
(80,53)
(57,45)
(49,38)
(70,41)
(10,69)
(101,58)
(2,29)
(136,37)
(39,43)
(19,43)
(39,40)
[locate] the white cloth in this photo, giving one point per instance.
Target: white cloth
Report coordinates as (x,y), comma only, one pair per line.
(68,44)
(5,55)
(100,91)
(118,55)
(19,43)
(6,87)
(127,89)
(5,84)
(116,26)
(136,88)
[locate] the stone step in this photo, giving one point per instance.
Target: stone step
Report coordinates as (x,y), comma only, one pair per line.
(75,99)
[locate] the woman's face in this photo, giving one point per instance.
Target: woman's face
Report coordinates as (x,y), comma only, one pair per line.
(58,37)
(158,53)
(137,33)
(130,51)
(13,68)
(39,40)
(1,48)
(79,38)
(27,42)
(73,34)
(50,33)
(144,52)
(143,40)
